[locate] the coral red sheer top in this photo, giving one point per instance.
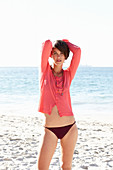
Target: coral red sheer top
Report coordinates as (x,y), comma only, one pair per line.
(56,90)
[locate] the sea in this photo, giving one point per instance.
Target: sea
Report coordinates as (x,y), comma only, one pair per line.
(91,90)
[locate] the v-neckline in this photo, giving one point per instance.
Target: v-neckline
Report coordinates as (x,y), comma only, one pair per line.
(57,76)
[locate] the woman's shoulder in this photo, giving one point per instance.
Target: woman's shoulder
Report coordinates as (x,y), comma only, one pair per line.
(66,72)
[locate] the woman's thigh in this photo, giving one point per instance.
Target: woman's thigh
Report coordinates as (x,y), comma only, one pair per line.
(68,143)
(47,150)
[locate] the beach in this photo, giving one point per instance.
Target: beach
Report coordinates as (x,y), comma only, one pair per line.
(21,126)
(20,138)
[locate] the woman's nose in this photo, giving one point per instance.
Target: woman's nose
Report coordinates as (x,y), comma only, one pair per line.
(58,56)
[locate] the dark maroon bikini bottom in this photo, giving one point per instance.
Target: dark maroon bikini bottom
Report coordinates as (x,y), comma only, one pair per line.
(60,132)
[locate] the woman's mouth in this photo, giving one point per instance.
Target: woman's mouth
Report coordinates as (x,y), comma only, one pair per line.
(58,60)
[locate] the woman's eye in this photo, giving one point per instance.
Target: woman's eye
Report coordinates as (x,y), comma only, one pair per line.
(55,53)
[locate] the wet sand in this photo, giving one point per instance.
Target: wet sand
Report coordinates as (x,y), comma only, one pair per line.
(20,138)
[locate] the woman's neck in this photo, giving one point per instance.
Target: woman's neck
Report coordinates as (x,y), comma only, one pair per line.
(57,71)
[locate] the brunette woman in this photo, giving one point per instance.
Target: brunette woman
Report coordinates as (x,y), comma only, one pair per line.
(55,102)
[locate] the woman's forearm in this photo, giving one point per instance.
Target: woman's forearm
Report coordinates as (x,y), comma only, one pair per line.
(73,48)
(46,52)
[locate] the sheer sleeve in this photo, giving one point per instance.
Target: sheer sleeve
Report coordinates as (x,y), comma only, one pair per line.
(75,58)
(46,53)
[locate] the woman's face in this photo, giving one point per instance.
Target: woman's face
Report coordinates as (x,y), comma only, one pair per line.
(58,57)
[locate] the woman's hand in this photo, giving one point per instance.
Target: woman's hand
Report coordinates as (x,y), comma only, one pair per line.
(65,40)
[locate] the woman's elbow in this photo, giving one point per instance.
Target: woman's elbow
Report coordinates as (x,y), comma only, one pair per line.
(79,52)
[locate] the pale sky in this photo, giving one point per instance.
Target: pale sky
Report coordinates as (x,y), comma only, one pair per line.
(25,24)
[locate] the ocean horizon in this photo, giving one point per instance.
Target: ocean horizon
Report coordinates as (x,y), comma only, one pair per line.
(91,90)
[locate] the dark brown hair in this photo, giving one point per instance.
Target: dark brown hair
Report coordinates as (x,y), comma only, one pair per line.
(63,47)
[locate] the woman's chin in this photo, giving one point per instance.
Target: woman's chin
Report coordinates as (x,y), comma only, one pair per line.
(58,63)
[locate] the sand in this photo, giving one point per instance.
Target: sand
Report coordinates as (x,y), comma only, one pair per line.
(20,141)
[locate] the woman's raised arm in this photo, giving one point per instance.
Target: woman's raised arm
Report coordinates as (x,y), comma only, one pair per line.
(75,58)
(46,53)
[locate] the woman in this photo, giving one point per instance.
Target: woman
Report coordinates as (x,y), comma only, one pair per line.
(55,102)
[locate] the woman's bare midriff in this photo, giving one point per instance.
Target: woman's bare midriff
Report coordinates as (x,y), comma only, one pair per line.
(54,120)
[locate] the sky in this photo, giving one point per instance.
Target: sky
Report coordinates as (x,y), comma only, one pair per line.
(26,24)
